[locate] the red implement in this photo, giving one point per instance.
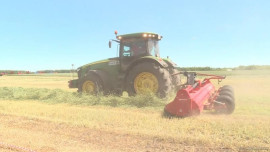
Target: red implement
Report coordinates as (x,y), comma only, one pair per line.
(197,96)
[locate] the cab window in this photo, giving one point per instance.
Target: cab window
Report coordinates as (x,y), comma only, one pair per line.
(134,47)
(126,50)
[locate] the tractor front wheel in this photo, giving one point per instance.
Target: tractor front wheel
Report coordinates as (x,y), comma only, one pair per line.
(147,78)
(91,84)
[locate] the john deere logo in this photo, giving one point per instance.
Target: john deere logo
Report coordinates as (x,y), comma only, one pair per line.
(115,62)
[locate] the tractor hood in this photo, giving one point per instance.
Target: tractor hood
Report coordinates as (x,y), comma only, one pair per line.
(102,64)
(94,63)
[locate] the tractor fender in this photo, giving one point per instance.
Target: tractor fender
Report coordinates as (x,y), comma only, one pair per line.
(157,61)
(170,63)
(103,76)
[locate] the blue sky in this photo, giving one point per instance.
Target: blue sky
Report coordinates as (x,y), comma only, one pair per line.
(53,34)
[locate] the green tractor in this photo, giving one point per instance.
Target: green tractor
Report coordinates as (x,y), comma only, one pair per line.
(138,69)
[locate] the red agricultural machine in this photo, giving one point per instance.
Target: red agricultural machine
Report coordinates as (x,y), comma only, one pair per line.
(196,96)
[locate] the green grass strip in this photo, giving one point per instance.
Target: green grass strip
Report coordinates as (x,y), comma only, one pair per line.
(61,96)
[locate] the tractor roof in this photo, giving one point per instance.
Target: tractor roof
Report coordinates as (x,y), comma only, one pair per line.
(139,35)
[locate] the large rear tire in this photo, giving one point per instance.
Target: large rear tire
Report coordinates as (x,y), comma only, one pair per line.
(146,78)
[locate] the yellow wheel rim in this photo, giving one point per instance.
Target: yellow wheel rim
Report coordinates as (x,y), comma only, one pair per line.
(146,82)
(88,87)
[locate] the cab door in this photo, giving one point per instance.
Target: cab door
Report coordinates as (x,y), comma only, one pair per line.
(126,56)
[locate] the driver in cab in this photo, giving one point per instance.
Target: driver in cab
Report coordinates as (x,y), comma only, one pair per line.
(137,49)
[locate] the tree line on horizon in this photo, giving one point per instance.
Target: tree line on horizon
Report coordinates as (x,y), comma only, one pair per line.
(241,67)
(249,67)
(3,72)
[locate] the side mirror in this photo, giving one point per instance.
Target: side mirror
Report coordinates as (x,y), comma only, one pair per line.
(110,44)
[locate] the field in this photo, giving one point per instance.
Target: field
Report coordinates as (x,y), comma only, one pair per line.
(40,113)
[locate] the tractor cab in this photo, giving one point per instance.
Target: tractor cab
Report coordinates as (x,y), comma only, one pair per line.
(137,45)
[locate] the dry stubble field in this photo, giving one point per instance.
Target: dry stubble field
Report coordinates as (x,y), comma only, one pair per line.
(50,121)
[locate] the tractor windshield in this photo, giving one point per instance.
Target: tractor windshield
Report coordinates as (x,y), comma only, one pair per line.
(133,47)
(138,47)
(153,47)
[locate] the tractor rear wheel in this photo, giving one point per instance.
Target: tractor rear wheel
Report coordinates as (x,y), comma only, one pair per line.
(91,84)
(147,78)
